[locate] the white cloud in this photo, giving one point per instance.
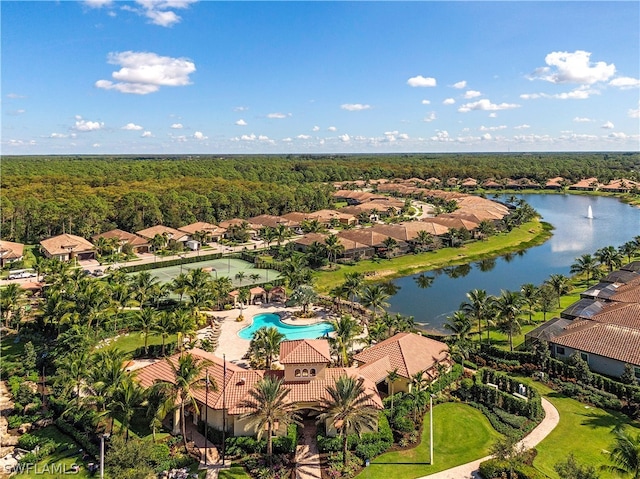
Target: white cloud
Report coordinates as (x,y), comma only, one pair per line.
(430,117)
(57,135)
(160,12)
(131,126)
(250,137)
(608,126)
(460,85)
(20,111)
(355,106)
(286,140)
(146,134)
(241,122)
(576,67)
(579,119)
(634,113)
(146,72)
(241,108)
(472,94)
(198,135)
(486,136)
(441,135)
(85,125)
(345,138)
(493,115)
(522,127)
(332,128)
(617,135)
(278,115)
(15,96)
(625,82)
(177,126)
(426,102)
(96,145)
(263,138)
(420,81)
(303,137)
(493,128)
(449,101)
(486,105)
(98,3)
(315,128)
(580,93)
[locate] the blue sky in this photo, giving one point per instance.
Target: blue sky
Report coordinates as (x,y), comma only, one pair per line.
(186,77)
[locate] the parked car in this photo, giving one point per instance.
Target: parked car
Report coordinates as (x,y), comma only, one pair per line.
(97,273)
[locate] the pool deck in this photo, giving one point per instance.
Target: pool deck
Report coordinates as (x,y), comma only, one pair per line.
(233,347)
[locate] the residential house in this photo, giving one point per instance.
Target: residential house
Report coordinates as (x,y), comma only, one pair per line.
(66,247)
(171,234)
(409,354)
(210,231)
(138,244)
(587,184)
(10,252)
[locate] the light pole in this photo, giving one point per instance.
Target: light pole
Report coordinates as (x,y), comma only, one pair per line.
(102,438)
(431,428)
(224,407)
(206,419)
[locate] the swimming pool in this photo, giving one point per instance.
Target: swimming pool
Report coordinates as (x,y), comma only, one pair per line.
(311,331)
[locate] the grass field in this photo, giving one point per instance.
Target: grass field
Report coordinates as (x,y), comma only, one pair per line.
(527,235)
(583,430)
(59,463)
(461,434)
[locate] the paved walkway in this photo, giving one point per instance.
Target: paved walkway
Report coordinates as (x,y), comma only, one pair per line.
(470,470)
(307,457)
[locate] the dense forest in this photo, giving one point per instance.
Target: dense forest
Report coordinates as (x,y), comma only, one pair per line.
(85,195)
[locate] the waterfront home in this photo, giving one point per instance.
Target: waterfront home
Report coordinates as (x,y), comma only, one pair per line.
(66,247)
(586,184)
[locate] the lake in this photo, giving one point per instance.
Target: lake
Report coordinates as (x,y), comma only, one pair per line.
(614,223)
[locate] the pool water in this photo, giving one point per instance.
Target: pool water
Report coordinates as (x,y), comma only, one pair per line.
(311,331)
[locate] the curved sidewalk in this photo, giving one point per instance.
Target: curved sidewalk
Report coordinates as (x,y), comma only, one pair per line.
(470,470)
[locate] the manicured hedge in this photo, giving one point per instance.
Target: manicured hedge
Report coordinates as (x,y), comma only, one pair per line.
(495,469)
(370,445)
(81,438)
(172,262)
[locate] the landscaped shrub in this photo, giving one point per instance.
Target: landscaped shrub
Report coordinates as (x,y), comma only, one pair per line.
(28,441)
(80,437)
(244,445)
(512,420)
(495,469)
(286,444)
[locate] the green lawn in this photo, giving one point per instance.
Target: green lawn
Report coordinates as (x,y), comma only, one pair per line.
(135,340)
(525,236)
(583,430)
(234,472)
(461,434)
(56,464)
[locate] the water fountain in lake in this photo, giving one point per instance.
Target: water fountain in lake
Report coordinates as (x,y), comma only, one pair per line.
(590,213)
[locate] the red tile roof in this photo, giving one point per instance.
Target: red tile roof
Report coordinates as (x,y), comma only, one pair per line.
(10,250)
(122,236)
(410,353)
(305,351)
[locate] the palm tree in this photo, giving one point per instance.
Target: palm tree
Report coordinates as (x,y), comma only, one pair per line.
(610,257)
(508,307)
(267,234)
(424,238)
(392,377)
(187,378)
(73,370)
(282,233)
(180,285)
(459,324)
(159,404)
(240,276)
(304,295)
(480,308)
(165,327)
(333,247)
(629,249)
(560,285)
(127,399)
(352,286)
(390,245)
(346,330)
(530,294)
(143,284)
(268,408)
(586,264)
(625,454)
(184,325)
(348,409)
(146,321)
(10,297)
(266,344)
(374,297)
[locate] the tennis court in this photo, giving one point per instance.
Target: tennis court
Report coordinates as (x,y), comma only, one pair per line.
(218,268)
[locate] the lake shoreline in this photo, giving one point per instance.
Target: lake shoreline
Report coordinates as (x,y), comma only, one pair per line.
(523,237)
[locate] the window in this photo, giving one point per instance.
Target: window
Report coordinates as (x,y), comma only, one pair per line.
(560,350)
(312,372)
(584,357)
(297,373)
(305,373)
